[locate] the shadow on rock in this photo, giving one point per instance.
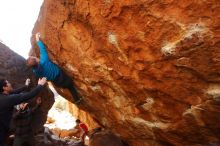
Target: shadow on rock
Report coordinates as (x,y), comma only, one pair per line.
(99,137)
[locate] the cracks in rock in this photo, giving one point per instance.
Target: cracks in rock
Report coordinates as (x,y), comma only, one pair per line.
(59,39)
(194,72)
(68,3)
(89,9)
(81,17)
(61,27)
(192,31)
(157,94)
(156,116)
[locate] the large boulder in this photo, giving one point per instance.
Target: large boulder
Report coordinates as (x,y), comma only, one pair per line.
(147,70)
(14,69)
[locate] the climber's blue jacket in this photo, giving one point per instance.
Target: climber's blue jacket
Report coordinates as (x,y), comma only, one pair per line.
(46,68)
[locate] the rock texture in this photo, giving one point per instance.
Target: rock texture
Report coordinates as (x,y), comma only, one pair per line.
(83,115)
(148,70)
(104,138)
(14,69)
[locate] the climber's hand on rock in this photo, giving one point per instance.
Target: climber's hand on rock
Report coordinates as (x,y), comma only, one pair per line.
(42,81)
(37,36)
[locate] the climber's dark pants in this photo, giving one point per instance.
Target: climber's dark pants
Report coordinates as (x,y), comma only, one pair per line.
(64,81)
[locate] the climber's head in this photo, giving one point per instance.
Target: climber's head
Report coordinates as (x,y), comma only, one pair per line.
(5,86)
(78,121)
(32,61)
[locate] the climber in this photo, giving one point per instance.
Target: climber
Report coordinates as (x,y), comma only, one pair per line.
(9,98)
(22,121)
(45,67)
(83,129)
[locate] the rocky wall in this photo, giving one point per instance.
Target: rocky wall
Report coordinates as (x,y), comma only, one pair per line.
(149,70)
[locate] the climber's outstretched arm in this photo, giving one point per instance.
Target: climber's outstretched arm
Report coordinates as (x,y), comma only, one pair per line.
(43,51)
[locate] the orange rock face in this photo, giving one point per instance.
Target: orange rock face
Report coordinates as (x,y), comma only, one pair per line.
(148,70)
